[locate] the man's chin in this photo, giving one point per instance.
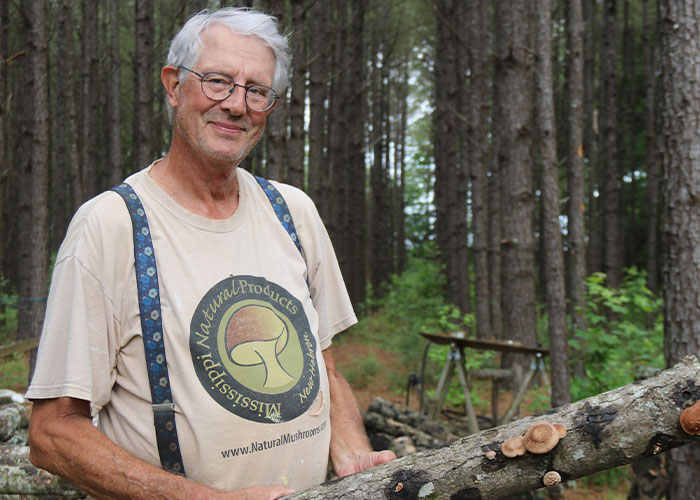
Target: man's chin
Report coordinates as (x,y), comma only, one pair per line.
(227,156)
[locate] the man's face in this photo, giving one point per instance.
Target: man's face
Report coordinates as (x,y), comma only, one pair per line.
(223,130)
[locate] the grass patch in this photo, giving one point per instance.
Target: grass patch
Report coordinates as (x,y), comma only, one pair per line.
(360,373)
(14,372)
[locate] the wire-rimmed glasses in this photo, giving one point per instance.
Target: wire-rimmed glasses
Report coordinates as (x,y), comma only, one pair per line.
(218,87)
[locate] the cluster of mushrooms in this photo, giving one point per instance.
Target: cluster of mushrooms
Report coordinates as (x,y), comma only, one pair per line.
(543,436)
(538,439)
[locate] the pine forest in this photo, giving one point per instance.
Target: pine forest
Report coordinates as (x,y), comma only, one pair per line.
(521,170)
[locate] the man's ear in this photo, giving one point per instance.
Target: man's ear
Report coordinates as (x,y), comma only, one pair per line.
(169,75)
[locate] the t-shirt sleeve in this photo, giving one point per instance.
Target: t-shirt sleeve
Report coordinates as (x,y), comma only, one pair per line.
(78,343)
(326,284)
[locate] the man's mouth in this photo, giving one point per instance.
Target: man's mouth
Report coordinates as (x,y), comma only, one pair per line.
(228,127)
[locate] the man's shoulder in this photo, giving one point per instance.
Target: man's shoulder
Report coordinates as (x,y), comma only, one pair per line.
(104,217)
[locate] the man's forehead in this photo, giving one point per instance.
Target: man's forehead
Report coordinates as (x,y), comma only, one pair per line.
(220,42)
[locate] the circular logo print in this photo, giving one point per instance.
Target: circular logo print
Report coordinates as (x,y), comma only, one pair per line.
(253,350)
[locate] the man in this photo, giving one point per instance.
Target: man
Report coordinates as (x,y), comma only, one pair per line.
(247,318)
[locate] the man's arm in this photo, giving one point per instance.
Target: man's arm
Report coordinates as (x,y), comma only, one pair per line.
(351,451)
(64,442)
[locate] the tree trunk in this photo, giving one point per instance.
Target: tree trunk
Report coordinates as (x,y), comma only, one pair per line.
(613,233)
(4,164)
(450,177)
(89,103)
(594,248)
(555,293)
(494,252)
(338,104)
(31,315)
(318,101)
(297,103)
(114,148)
(608,430)
(653,174)
(679,63)
(143,86)
(380,219)
(355,146)
(68,134)
(276,130)
(399,190)
(625,129)
(576,240)
(512,139)
(62,144)
(477,140)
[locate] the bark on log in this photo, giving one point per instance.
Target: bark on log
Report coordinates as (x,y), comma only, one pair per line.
(12,418)
(20,479)
(611,429)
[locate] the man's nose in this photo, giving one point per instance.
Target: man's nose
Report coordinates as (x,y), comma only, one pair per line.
(235,102)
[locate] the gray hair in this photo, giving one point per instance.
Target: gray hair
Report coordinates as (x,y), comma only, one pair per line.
(186,45)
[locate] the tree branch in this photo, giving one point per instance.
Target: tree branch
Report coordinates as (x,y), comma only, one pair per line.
(611,429)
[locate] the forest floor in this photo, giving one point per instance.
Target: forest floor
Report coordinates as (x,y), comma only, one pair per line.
(351,359)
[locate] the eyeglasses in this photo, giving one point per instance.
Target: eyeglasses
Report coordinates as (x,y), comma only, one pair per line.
(218,87)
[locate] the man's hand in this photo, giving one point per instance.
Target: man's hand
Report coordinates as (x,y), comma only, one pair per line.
(255,493)
(365,461)
(350,448)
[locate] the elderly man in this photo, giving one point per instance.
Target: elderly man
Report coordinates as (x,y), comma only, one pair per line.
(226,343)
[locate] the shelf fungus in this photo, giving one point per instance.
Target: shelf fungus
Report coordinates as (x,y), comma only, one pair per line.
(541,438)
(551,478)
(690,419)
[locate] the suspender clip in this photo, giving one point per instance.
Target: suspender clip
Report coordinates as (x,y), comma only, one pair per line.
(163,407)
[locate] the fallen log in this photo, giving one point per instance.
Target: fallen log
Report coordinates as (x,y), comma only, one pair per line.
(611,429)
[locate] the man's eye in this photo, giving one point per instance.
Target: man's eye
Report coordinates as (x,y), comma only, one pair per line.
(217,81)
(258,91)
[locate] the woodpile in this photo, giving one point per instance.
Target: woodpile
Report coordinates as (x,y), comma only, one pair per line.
(18,477)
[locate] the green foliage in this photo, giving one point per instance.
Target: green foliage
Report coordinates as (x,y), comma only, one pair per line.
(361,373)
(624,335)
(414,303)
(8,314)
(14,372)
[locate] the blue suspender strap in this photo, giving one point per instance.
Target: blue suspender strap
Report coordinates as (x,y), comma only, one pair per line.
(281,209)
(152,333)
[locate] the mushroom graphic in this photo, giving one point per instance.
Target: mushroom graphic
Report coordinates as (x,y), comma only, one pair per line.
(255,336)
(541,437)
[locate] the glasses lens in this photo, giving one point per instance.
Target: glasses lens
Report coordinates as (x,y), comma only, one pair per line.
(216,86)
(259,97)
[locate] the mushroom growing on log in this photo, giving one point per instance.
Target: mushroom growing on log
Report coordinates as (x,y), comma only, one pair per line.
(513,447)
(690,419)
(541,438)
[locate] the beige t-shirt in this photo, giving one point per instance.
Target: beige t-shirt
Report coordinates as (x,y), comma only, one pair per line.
(243,333)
